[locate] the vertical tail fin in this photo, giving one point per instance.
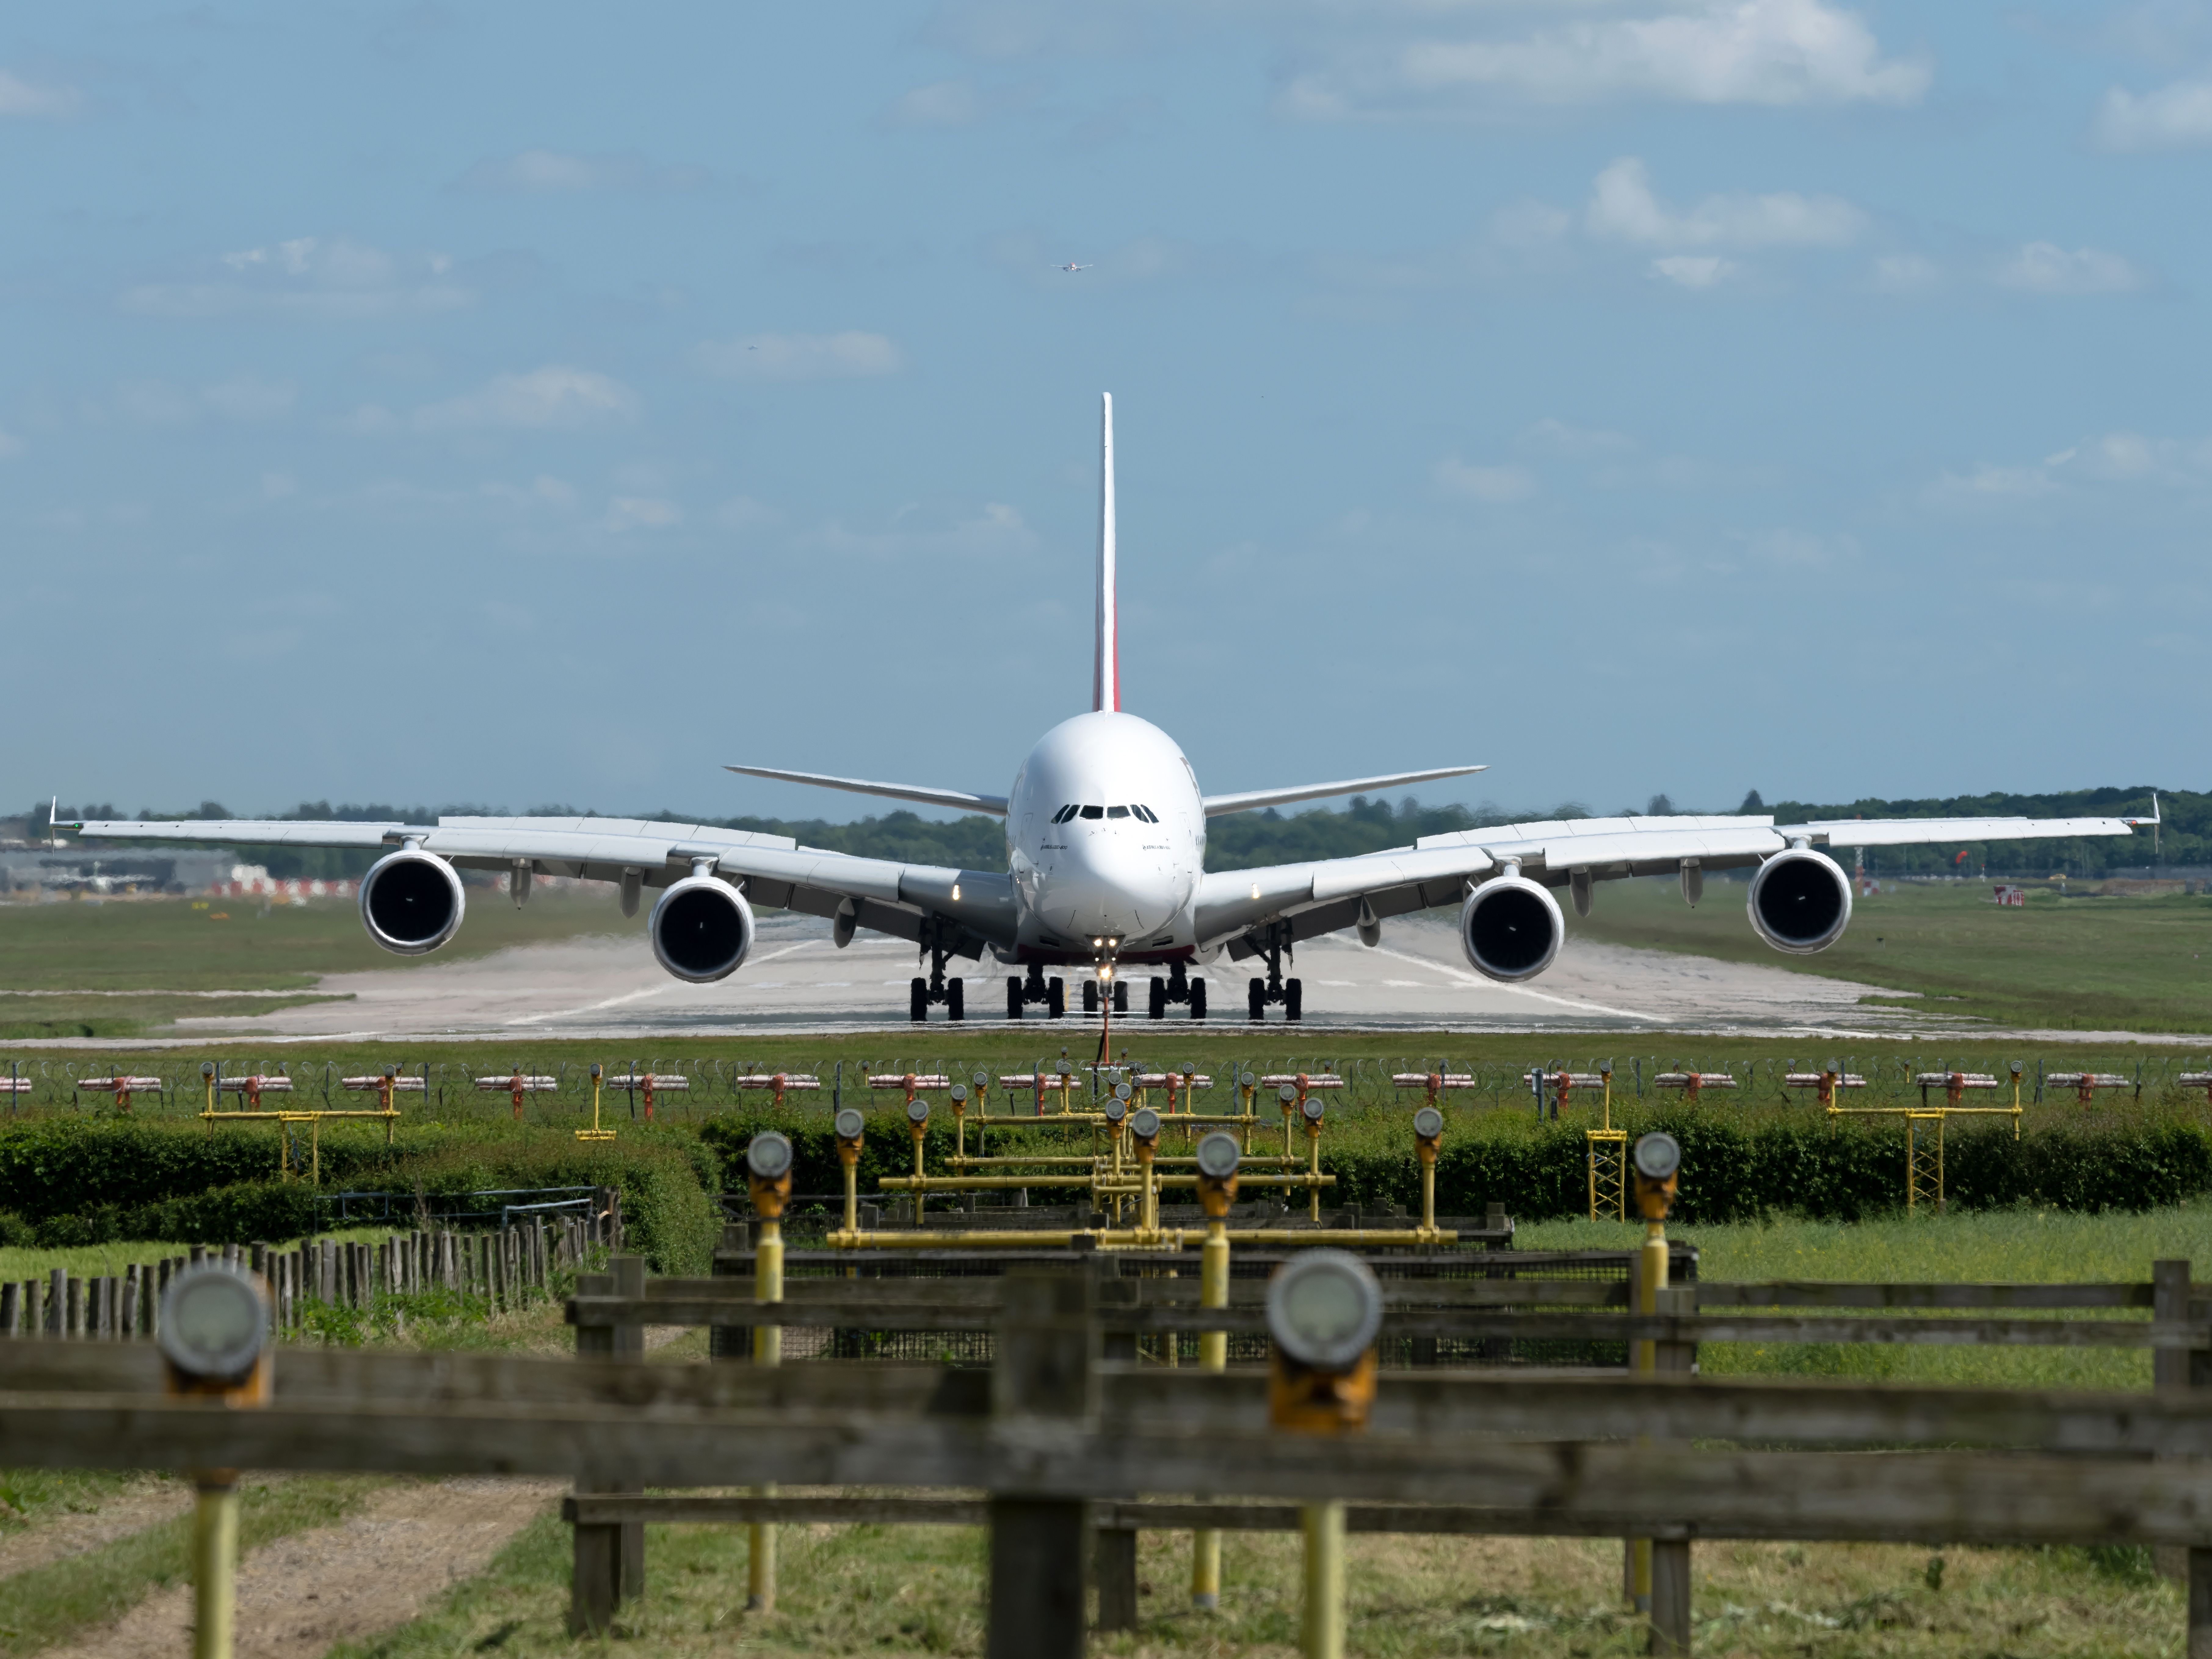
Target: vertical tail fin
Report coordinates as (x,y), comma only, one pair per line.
(1106,667)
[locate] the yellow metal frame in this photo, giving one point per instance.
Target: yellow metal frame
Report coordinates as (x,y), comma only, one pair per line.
(1608,1174)
(595,1133)
(1924,1165)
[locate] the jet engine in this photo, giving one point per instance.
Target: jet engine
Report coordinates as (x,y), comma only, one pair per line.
(1800,901)
(1510,928)
(701,929)
(411,902)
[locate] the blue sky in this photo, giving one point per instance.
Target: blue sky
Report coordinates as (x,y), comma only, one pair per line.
(528,404)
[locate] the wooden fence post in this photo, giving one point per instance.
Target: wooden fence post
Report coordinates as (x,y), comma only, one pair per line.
(595,1574)
(628,1272)
(1670,1557)
(1047,1343)
(1115,1555)
(2180,1369)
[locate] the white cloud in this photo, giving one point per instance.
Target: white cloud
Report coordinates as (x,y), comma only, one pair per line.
(1905,273)
(1695,270)
(246,398)
(564,172)
(939,104)
(1623,208)
(20,97)
(1775,52)
(2046,268)
(1552,436)
(309,277)
(640,512)
(997,531)
(556,396)
(1994,482)
(2174,117)
(851,354)
(1496,485)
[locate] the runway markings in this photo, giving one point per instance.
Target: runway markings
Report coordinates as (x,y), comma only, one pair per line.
(641,995)
(1475,981)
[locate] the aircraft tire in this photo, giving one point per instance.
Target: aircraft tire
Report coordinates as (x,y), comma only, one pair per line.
(1013,996)
(1158,1005)
(1198,999)
(1259,998)
(1055,997)
(955,998)
(1120,996)
(1294,1000)
(917,999)
(1089,996)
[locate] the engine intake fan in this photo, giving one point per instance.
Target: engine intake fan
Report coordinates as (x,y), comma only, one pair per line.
(1800,901)
(1510,928)
(701,929)
(411,902)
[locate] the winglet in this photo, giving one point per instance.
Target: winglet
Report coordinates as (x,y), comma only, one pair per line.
(1106,665)
(53,821)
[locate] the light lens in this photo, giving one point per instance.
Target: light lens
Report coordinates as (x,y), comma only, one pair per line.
(1312,1109)
(1123,1092)
(1218,1156)
(1247,1079)
(769,1157)
(1287,1094)
(1658,1155)
(215,1320)
(1146,1124)
(849,1124)
(981,1080)
(958,1092)
(1428,1123)
(917,1111)
(1116,1109)
(1324,1307)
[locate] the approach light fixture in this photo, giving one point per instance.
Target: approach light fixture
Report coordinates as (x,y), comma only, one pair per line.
(1324,1307)
(215,1327)
(1429,1126)
(1145,1125)
(1218,1156)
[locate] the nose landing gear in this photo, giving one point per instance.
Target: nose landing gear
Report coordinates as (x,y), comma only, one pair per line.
(1290,992)
(1177,987)
(1036,988)
(1091,996)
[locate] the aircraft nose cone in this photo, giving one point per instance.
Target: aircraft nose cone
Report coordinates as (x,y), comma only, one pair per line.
(1105,887)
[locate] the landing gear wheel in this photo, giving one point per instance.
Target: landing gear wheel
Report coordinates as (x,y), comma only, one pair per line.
(1120,996)
(1158,1005)
(1198,999)
(1259,998)
(917,999)
(1294,998)
(1013,996)
(955,998)
(1089,996)
(1055,997)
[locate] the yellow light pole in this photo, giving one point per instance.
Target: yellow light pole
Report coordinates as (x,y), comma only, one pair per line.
(768,1177)
(1324,1307)
(1657,1160)
(1310,1109)
(215,1341)
(851,1131)
(1428,1136)
(1145,1131)
(1218,1157)
(917,1122)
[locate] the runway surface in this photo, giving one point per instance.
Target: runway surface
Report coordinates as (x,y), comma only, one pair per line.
(797,980)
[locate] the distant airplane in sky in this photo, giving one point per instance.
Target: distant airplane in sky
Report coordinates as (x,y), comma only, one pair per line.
(1075,267)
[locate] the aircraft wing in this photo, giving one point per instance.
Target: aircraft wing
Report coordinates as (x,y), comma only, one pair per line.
(1328,894)
(960,800)
(775,872)
(1252,800)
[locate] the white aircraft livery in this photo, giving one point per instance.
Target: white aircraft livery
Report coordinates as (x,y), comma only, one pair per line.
(1105,868)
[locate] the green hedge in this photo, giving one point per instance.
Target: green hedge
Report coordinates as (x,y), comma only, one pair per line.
(87,1183)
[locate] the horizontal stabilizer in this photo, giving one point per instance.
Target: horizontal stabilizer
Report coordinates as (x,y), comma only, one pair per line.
(958,799)
(1254,799)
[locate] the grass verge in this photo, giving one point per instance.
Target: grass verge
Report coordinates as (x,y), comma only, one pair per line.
(48,1604)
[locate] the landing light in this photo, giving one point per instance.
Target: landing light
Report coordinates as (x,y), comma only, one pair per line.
(1323,1308)
(956,892)
(214,1322)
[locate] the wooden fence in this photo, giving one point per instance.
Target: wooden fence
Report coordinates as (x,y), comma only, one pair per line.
(1059,1441)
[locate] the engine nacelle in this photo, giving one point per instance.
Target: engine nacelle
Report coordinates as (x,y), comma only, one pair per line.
(1800,901)
(411,902)
(701,929)
(1510,928)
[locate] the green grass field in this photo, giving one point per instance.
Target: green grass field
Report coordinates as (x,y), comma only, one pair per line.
(2064,962)
(171,944)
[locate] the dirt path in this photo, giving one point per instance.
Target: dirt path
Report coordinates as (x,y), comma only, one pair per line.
(146,1504)
(301,1593)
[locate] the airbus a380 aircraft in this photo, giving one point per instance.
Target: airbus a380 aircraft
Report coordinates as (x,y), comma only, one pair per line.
(1106,867)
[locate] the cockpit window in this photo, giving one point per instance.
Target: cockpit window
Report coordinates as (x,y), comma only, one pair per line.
(1145,813)
(1063,815)
(1117,812)
(1094,811)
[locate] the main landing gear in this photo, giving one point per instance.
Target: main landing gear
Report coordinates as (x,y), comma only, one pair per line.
(921,992)
(1036,988)
(1176,988)
(1091,996)
(1290,992)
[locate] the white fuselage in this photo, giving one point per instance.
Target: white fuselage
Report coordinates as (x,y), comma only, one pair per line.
(1115,878)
